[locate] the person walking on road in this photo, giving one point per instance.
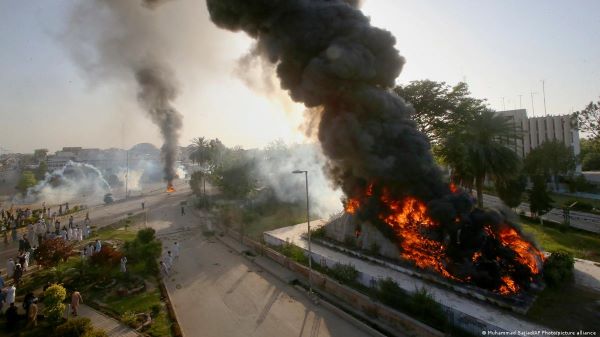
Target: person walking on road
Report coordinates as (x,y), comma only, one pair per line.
(182,210)
(76,299)
(143,204)
(175,249)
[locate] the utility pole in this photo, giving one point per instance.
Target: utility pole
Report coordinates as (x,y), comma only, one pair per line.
(520,101)
(532,105)
(127,177)
(544,92)
(503,104)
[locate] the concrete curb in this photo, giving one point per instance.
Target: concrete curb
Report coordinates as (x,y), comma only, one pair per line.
(175,328)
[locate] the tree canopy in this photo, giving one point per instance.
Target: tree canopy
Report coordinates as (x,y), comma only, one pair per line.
(479,149)
(549,160)
(440,108)
(588,120)
(26,181)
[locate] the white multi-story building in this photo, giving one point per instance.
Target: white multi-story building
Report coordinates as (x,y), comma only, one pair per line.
(535,131)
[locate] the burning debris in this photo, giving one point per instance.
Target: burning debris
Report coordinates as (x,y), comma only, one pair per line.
(170,188)
(329,57)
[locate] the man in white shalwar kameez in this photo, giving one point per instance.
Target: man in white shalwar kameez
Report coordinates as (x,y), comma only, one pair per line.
(10,268)
(175,249)
(124,264)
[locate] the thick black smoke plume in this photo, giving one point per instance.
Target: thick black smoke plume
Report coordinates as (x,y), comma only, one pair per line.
(157,91)
(118,39)
(329,57)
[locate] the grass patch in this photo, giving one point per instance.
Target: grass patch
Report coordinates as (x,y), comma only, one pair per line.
(134,303)
(566,309)
(580,244)
(560,200)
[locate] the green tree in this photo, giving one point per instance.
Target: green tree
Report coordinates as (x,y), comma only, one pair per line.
(53,303)
(42,169)
(199,152)
(236,180)
(511,190)
(550,160)
(540,201)
(590,154)
(440,108)
(40,154)
(588,119)
(480,149)
(26,181)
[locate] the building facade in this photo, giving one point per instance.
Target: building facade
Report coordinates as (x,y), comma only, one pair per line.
(535,131)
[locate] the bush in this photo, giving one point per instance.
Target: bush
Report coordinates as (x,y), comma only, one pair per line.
(75,327)
(344,273)
(426,309)
(391,294)
(52,251)
(129,318)
(145,248)
(295,253)
(146,235)
(319,233)
(558,269)
(53,306)
(155,310)
(108,256)
(419,305)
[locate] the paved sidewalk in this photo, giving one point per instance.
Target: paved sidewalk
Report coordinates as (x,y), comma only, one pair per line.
(112,327)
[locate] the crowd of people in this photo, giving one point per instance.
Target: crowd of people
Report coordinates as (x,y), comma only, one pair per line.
(36,225)
(42,223)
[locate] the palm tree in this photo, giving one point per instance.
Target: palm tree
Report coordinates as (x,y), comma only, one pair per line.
(481,148)
(200,150)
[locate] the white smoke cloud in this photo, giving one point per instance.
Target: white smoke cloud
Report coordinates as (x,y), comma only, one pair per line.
(74,181)
(275,165)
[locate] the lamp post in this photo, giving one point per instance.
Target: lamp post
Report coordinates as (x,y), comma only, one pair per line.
(308,225)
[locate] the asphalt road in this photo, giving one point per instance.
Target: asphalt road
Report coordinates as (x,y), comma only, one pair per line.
(586,221)
(216,292)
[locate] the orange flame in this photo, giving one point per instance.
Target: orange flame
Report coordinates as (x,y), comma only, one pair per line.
(509,286)
(527,254)
(476,256)
(170,188)
(352,206)
(407,218)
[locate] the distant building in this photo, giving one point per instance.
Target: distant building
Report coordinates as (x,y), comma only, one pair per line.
(537,130)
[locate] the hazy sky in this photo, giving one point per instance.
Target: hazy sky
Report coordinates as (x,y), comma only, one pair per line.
(501,48)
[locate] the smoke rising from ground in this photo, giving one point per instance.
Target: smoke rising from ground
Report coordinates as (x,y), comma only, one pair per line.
(119,40)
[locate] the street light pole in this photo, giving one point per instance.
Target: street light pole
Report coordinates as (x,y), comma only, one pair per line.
(308,225)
